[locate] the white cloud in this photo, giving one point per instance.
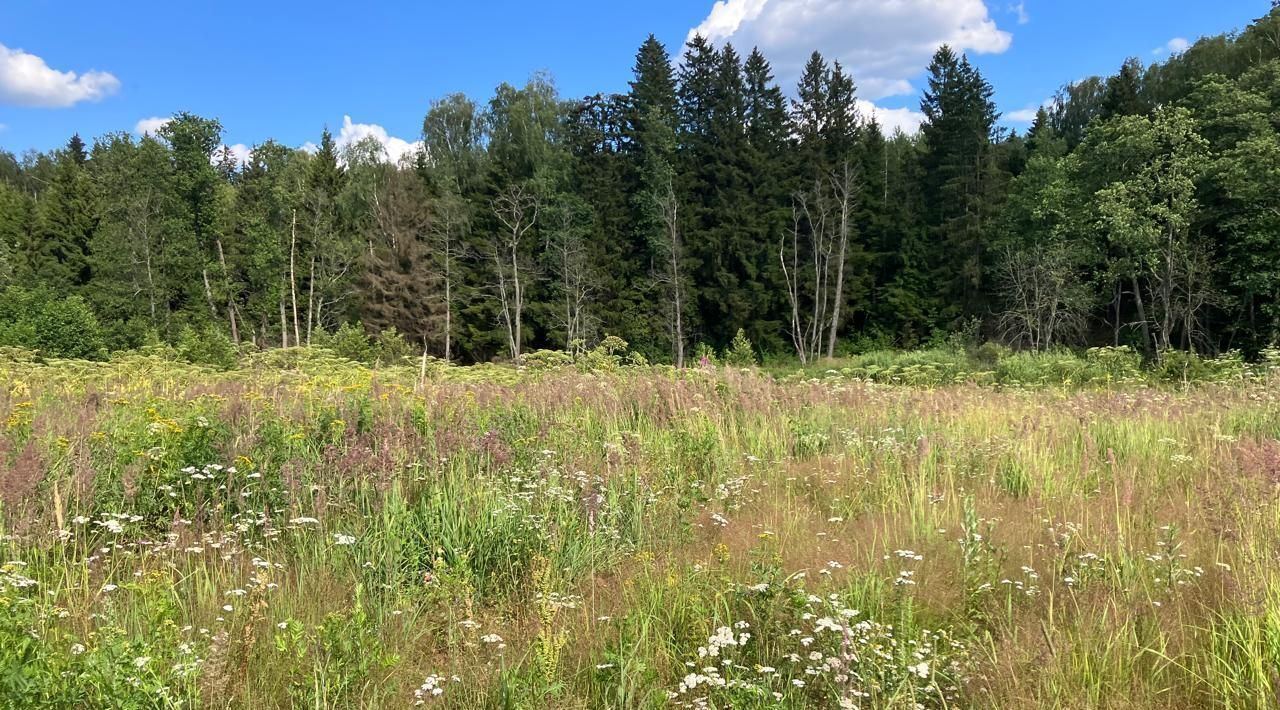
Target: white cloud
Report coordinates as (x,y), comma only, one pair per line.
(25,80)
(1176,45)
(4,127)
(1021,11)
(150,126)
(1028,114)
(239,150)
(884,43)
(891,119)
(396,149)
(1023,115)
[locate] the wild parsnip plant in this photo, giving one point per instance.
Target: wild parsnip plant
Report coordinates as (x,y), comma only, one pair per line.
(594,532)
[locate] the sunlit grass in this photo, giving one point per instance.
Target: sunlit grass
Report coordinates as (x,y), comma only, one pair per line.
(306,532)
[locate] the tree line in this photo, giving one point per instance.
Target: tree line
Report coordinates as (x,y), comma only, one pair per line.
(1139,209)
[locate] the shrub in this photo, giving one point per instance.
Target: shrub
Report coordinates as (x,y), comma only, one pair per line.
(1181,366)
(206,346)
(546,359)
(350,342)
(990,353)
(391,347)
(740,353)
(1114,364)
(57,327)
(607,355)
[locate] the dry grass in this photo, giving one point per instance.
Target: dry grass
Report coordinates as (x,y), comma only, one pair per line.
(1053,547)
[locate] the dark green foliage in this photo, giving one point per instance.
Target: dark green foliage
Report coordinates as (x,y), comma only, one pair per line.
(349,341)
(663,215)
(60,327)
(206,346)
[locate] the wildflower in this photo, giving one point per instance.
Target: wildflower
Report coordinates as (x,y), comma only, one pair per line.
(921,669)
(108,588)
(343,539)
(77,649)
(141,661)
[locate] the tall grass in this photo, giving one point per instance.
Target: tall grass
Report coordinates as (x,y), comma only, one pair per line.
(898,532)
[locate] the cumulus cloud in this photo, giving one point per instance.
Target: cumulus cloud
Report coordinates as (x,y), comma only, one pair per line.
(1173,46)
(891,119)
(150,126)
(884,43)
(394,149)
(26,80)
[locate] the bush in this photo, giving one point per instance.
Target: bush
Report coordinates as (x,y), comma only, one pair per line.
(1181,366)
(1114,364)
(56,327)
(206,346)
(608,355)
(740,352)
(349,341)
(391,347)
(989,354)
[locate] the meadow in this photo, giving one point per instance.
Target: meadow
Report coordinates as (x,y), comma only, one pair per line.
(303,531)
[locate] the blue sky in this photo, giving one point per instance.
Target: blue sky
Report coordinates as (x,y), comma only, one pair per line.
(284,70)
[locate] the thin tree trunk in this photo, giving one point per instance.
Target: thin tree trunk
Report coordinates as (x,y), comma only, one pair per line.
(422,370)
(293,280)
(520,298)
(311,298)
(284,325)
(1142,314)
(448,315)
(231,301)
(1119,303)
(842,190)
(151,282)
(208,292)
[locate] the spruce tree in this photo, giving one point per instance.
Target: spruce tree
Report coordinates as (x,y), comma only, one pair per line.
(960,179)
(1122,96)
(66,218)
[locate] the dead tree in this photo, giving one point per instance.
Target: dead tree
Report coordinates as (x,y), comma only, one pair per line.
(672,248)
(516,208)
